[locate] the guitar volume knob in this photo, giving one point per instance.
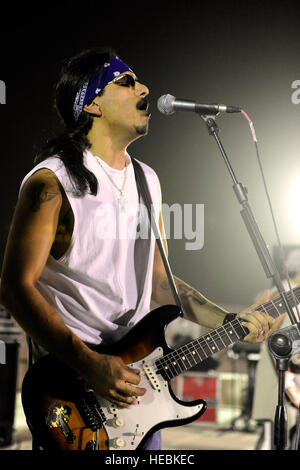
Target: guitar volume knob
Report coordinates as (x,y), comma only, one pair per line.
(118,423)
(117,443)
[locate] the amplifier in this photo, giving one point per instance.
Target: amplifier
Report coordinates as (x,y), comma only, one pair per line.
(192,386)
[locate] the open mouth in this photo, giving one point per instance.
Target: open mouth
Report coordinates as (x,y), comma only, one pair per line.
(143,105)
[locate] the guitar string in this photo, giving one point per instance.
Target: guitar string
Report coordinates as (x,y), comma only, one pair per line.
(215,335)
(207,348)
(191,347)
(268,308)
(176,360)
(290,297)
(218,334)
(201,347)
(177,355)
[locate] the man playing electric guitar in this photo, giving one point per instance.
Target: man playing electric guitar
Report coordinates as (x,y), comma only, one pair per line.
(67,279)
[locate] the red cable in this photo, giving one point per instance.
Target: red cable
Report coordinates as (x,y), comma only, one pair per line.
(250,124)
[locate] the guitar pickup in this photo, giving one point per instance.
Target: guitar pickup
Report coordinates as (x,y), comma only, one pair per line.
(152,377)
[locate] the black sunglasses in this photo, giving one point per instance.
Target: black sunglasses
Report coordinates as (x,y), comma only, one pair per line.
(125,80)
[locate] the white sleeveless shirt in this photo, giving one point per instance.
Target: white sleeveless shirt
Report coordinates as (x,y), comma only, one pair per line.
(102,285)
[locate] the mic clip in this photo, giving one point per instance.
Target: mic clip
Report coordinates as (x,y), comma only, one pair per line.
(210,121)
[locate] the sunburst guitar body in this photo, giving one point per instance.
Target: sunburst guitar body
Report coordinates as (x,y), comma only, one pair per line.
(63,413)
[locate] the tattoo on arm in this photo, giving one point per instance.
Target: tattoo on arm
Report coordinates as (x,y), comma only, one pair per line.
(38,196)
(165,285)
(185,293)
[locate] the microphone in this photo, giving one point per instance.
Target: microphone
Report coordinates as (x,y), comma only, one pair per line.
(168,104)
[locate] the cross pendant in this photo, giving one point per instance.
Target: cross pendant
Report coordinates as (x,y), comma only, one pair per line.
(122,201)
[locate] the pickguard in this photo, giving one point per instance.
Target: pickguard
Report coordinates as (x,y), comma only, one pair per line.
(128,427)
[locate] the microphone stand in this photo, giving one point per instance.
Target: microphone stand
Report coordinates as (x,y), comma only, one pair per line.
(281,345)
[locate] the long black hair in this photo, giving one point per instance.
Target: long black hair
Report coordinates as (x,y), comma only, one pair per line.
(71,144)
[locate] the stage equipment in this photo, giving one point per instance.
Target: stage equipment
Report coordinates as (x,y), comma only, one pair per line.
(283,345)
(10,334)
(280,343)
(190,386)
(280,427)
(251,354)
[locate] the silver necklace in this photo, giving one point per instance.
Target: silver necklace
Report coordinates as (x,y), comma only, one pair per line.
(121,199)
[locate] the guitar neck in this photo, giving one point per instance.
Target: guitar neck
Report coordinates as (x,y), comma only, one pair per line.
(275,307)
(193,353)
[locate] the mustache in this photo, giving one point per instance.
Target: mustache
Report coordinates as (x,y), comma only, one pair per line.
(142,104)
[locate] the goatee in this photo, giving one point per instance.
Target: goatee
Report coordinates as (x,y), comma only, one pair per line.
(141,130)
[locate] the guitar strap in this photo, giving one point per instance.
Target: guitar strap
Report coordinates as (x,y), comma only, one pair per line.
(144,192)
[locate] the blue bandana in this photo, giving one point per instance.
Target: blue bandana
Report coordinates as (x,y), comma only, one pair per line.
(97,82)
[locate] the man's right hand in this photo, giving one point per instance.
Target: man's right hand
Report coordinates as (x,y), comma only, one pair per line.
(112,379)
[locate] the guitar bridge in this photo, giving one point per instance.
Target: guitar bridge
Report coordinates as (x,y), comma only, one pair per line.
(152,377)
(90,410)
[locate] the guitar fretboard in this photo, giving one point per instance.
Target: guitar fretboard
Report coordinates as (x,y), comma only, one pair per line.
(193,353)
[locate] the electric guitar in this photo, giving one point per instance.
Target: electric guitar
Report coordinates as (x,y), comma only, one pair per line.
(63,413)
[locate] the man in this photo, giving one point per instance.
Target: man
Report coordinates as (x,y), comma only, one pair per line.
(66,283)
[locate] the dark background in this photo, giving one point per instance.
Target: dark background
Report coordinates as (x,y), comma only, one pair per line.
(244,53)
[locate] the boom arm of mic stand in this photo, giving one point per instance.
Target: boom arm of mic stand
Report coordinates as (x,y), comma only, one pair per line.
(249,220)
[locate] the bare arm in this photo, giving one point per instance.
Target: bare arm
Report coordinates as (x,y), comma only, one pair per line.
(198,308)
(195,306)
(29,243)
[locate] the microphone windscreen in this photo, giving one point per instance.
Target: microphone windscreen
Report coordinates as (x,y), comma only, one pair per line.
(165,104)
